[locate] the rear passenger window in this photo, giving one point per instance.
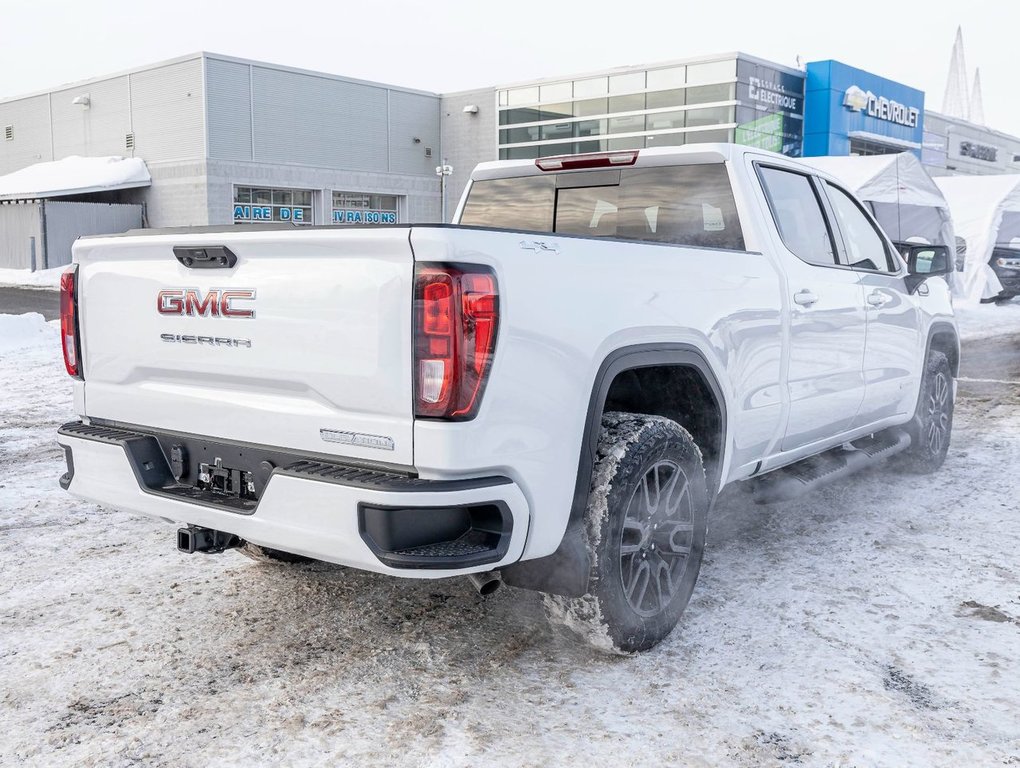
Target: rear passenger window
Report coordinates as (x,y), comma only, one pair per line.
(865,247)
(798,215)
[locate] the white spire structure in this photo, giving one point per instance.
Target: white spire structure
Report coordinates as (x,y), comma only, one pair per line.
(956,102)
(977,106)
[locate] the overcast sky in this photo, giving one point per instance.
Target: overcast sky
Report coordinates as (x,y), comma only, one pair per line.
(448,45)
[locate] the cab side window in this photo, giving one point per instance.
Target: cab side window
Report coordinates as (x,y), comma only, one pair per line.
(865,247)
(798,215)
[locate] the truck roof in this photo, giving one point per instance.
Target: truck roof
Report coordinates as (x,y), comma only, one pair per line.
(690,153)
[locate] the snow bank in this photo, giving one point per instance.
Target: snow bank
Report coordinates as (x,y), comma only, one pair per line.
(41,278)
(74,174)
(26,331)
(981,321)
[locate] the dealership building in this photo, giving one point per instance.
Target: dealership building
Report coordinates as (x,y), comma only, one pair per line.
(226,140)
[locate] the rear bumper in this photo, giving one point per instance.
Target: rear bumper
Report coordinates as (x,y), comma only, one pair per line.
(374,521)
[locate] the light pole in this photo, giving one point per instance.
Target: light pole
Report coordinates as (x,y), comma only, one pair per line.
(442,171)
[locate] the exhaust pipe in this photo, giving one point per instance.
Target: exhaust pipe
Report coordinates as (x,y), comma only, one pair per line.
(197,539)
(486,583)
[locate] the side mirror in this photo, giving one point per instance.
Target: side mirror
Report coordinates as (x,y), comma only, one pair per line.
(924,261)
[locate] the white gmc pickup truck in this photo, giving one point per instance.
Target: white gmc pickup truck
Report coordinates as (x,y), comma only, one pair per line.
(552,391)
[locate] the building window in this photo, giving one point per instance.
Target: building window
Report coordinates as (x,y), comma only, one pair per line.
(723,135)
(864,147)
(364,208)
(709,116)
(261,204)
(630,107)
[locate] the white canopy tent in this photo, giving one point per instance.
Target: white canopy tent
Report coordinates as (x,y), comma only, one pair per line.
(903,197)
(74,175)
(986,214)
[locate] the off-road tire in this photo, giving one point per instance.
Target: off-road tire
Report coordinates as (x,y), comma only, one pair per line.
(267,555)
(630,533)
(932,426)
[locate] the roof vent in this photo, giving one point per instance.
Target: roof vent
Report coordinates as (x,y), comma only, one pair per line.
(129,141)
(9,132)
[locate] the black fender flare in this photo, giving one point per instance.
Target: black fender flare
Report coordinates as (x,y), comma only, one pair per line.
(940,327)
(565,571)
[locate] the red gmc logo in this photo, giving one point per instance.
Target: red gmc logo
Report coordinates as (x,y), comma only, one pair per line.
(216,303)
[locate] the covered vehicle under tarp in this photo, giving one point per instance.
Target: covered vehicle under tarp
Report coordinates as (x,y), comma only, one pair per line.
(903,197)
(986,215)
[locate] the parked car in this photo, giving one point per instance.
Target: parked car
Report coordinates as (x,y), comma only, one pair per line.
(552,391)
(1005,263)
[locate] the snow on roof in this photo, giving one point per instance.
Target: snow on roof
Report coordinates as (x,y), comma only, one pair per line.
(978,204)
(74,175)
(898,178)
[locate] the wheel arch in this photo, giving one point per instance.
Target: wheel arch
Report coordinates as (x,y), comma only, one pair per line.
(565,572)
(942,336)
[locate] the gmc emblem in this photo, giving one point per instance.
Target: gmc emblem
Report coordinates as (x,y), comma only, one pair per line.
(216,303)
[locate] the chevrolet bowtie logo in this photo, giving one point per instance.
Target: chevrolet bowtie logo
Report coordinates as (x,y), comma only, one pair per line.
(856,99)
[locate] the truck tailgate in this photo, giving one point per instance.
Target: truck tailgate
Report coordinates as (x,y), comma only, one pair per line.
(323,365)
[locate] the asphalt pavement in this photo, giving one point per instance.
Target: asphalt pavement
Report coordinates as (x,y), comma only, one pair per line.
(17,301)
(993,359)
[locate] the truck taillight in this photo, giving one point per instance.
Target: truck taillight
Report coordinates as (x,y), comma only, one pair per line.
(456,316)
(69,336)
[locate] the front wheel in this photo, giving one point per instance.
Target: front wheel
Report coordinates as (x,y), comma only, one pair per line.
(645,527)
(932,426)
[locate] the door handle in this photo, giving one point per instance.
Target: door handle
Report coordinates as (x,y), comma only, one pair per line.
(877,298)
(804,297)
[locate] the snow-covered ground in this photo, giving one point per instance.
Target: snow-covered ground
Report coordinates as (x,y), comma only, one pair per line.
(874,623)
(41,278)
(981,321)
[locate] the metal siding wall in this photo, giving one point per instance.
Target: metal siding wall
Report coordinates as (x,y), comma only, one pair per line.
(317,121)
(31,144)
(98,130)
(19,222)
(468,139)
(66,222)
(413,115)
(228,95)
(168,112)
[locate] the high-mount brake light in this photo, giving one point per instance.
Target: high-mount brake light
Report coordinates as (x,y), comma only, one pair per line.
(70,338)
(594,160)
(456,316)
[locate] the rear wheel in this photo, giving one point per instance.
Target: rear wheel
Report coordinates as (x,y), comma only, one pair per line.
(645,527)
(932,426)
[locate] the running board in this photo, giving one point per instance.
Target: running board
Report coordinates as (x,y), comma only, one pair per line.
(816,471)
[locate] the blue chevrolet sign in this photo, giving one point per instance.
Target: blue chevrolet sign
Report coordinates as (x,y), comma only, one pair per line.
(843,104)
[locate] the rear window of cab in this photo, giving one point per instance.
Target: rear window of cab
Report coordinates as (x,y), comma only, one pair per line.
(681,205)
